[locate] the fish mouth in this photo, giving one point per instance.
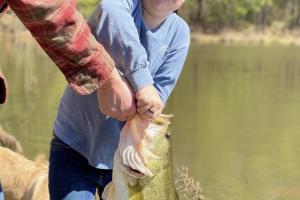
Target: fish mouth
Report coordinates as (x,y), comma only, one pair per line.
(132,162)
(134,172)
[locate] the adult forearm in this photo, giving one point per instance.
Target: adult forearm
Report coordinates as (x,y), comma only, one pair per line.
(65,36)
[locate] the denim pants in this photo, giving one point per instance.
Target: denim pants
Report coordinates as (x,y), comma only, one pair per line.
(70,175)
(1,193)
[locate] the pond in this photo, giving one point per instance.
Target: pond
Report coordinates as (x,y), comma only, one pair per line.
(236,124)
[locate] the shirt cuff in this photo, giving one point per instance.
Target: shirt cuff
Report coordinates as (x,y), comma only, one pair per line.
(140,78)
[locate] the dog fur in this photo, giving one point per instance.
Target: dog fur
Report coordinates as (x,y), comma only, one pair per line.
(23,179)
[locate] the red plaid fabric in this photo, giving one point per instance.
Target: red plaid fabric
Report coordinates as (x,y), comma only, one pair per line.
(3,7)
(65,36)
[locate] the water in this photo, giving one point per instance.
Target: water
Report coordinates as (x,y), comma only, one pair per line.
(236,123)
(35,86)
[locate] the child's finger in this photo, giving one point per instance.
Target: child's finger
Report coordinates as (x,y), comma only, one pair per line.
(141,103)
(156,110)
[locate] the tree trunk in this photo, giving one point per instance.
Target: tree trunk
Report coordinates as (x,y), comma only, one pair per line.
(263,17)
(199,11)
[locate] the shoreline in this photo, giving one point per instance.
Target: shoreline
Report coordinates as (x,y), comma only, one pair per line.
(230,38)
(248,38)
(10,25)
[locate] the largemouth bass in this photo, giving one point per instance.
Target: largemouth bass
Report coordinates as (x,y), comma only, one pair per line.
(142,163)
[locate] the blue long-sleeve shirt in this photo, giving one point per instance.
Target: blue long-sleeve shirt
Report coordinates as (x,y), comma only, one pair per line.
(143,56)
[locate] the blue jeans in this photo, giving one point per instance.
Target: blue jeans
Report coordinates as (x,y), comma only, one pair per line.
(1,193)
(70,175)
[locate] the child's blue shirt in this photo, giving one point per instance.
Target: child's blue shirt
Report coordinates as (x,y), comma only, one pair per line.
(143,56)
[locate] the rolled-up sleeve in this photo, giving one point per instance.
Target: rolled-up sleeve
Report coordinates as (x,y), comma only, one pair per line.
(65,36)
(115,28)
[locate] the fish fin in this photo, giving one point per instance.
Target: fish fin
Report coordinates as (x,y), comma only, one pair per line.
(187,186)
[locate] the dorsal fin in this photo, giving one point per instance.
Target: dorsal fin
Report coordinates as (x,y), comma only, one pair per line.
(186,186)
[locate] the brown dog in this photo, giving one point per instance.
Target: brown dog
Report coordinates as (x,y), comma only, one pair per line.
(21,178)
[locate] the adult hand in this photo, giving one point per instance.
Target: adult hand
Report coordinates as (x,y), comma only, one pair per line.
(116,98)
(149,103)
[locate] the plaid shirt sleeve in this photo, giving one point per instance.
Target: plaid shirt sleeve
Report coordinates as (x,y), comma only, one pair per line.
(3,7)
(65,36)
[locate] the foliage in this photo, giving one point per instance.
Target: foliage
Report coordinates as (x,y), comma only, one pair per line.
(218,14)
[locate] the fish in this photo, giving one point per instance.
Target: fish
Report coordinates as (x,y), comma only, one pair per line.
(142,168)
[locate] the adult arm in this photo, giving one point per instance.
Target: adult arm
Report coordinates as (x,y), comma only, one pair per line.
(61,31)
(64,35)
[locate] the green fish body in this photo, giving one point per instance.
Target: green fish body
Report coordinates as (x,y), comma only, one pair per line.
(142,163)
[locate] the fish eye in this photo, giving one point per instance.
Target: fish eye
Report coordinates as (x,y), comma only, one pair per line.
(168,135)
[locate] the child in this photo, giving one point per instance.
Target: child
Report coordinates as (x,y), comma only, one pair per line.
(149,44)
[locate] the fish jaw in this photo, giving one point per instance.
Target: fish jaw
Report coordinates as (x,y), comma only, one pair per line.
(131,159)
(142,144)
(131,153)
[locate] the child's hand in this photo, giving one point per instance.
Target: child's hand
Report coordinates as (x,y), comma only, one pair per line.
(149,103)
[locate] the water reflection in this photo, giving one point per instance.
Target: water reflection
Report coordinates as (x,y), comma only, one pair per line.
(236,124)
(236,109)
(35,86)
